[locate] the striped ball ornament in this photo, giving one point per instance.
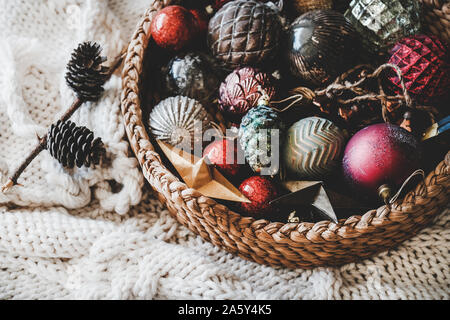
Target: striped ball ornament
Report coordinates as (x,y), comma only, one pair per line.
(313,148)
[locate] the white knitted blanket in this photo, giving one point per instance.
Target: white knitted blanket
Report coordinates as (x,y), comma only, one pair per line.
(67,235)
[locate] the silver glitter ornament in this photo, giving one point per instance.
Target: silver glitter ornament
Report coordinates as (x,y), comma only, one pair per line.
(382,23)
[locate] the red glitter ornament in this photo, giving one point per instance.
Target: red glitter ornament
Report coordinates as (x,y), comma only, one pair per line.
(224,155)
(241,91)
(381,154)
(173,27)
(424,62)
(260,191)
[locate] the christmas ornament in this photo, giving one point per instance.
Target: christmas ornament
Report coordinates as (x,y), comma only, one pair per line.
(192,75)
(242,90)
(224,154)
(261,129)
(383,22)
(306,194)
(321,45)
(303,6)
(244,33)
(74,146)
(198,175)
(313,148)
(260,191)
(381,155)
(180,121)
(217,4)
(424,62)
(85,72)
(315,201)
(201,21)
(173,27)
(416,121)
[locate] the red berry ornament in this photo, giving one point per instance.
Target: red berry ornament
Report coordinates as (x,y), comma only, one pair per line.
(424,62)
(173,27)
(260,191)
(381,154)
(224,155)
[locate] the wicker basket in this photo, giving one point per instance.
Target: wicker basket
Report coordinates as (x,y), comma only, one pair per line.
(293,245)
(436,16)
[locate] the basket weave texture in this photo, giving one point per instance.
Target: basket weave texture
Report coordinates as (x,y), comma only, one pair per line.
(436,16)
(293,245)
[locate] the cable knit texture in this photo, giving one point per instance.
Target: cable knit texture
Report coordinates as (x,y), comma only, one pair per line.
(66,234)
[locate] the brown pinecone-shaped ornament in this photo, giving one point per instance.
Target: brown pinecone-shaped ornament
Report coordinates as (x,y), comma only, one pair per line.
(85,73)
(72,145)
(244,33)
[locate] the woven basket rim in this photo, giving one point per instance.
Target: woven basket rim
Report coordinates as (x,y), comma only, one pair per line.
(212,216)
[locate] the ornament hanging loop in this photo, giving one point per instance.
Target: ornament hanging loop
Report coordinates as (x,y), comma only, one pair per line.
(300,96)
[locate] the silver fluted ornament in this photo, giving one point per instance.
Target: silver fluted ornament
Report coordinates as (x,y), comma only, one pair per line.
(179,121)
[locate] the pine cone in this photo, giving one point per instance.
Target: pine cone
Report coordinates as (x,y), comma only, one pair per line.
(85,73)
(72,145)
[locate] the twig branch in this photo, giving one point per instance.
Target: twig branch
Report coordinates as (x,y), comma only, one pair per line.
(42,141)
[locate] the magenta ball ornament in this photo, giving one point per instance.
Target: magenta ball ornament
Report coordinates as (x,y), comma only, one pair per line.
(380,155)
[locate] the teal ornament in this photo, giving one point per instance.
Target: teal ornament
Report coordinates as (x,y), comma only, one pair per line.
(260,134)
(382,23)
(313,148)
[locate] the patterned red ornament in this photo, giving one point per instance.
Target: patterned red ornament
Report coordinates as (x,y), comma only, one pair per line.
(240,91)
(173,27)
(224,155)
(381,154)
(424,62)
(260,191)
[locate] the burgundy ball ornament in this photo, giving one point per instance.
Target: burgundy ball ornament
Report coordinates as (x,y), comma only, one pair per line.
(260,190)
(424,62)
(321,45)
(241,91)
(173,27)
(380,155)
(223,154)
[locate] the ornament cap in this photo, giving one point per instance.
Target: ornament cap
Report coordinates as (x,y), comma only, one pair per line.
(385,193)
(265,98)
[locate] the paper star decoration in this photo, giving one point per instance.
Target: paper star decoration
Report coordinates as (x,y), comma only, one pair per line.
(304,195)
(198,175)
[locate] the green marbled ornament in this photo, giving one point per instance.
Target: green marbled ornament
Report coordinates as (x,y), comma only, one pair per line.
(260,135)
